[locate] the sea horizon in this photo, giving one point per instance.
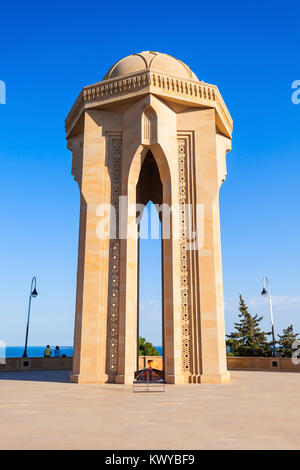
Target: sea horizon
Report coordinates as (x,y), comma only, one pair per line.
(38,351)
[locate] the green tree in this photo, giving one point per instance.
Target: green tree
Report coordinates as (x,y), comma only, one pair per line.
(248,339)
(285,342)
(146,348)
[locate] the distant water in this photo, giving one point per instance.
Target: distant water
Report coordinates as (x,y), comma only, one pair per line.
(159,349)
(36,351)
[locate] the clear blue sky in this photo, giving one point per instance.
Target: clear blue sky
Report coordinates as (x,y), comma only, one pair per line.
(49,51)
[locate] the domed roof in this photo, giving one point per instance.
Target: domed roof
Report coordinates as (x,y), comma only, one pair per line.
(150,60)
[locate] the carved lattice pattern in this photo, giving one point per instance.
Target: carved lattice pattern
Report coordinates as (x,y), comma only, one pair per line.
(184,259)
(114,268)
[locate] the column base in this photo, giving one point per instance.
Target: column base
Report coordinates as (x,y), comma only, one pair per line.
(175,379)
(88,379)
(193,379)
(124,379)
(215,378)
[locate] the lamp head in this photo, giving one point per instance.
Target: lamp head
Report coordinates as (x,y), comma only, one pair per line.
(34,293)
(264,292)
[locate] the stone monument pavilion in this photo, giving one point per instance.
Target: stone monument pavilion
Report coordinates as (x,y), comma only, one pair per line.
(150,130)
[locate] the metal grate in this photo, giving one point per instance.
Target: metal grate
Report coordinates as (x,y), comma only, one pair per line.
(148,380)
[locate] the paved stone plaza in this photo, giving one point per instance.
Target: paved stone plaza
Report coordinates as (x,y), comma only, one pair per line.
(256,410)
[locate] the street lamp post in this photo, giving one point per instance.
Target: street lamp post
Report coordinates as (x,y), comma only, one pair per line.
(33,293)
(267,292)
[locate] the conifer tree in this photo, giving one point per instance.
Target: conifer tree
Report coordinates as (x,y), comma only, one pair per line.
(248,339)
(285,342)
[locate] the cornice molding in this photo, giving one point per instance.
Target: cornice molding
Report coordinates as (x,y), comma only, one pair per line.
(190,92)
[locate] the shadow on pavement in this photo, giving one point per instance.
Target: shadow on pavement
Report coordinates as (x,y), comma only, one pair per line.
(61,376)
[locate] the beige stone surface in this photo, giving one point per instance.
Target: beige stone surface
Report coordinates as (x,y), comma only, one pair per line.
(281,364)
(36,363)
(150,60)
(256,410)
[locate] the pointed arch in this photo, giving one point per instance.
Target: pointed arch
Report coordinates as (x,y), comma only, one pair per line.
(129,281)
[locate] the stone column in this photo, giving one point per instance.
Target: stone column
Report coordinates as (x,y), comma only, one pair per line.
(92,175)
(212,327)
